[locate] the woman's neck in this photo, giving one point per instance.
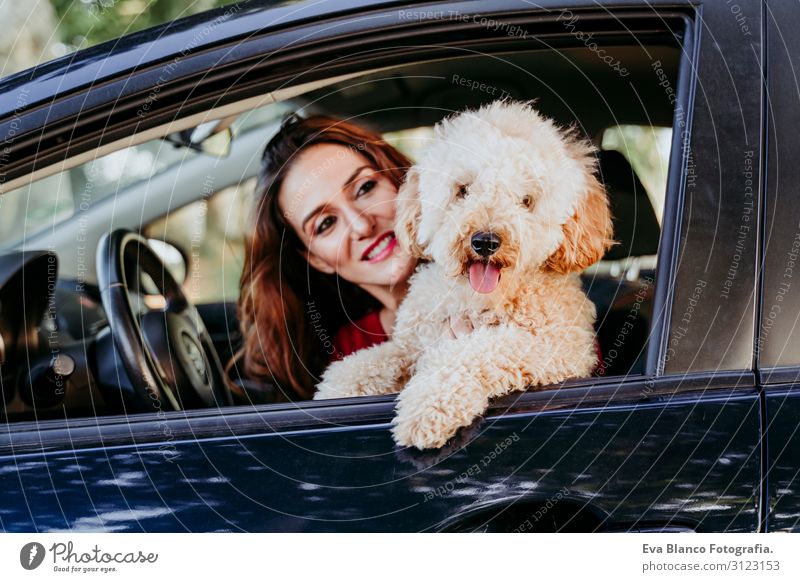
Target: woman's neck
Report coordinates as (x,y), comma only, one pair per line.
(390,297)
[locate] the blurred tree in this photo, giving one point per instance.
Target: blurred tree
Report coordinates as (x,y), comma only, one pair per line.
(84,23)
(29,37)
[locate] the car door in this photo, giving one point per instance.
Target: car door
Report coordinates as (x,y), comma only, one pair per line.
(777,341)
(677,447)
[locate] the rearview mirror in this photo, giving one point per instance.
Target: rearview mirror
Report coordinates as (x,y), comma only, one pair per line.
(213,138)
(218,144)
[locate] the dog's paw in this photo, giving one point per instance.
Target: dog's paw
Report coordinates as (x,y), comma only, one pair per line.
(428,422)
(334,383)
(422,433)
(364,373)
(369,372)
(326,391)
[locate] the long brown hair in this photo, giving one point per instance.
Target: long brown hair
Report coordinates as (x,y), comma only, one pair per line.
(288,311)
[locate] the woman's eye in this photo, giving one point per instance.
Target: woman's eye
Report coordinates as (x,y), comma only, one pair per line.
(325,224)
(365,188)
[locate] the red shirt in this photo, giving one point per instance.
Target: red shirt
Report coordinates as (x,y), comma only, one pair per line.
(359,334)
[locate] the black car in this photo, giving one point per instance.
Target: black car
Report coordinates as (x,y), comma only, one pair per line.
(691,424)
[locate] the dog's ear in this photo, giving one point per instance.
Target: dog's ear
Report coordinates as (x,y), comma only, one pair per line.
(408,215)
(587,233)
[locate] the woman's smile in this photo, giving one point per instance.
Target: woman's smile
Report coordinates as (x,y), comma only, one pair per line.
(381,249)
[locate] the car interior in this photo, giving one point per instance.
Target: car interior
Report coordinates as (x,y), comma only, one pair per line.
(56,358)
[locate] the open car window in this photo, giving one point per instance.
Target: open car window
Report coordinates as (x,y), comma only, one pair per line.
(201,205)
(632,160)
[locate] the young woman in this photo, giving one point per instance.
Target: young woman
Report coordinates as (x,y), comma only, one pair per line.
(323,273)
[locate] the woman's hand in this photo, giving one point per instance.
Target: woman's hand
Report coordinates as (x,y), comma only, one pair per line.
(460,326)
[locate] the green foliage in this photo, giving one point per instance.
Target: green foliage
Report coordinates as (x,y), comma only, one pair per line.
(83,23)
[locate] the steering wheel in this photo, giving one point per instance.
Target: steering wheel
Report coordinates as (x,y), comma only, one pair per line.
(167,353)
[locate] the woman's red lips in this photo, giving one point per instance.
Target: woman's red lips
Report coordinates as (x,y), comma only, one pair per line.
(380,249)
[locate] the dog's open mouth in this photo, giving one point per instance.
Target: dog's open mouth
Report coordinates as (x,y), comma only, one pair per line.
(484,276)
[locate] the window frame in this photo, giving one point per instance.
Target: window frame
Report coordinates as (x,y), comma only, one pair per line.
(341,414)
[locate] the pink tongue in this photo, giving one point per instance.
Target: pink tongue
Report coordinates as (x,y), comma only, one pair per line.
(483,277)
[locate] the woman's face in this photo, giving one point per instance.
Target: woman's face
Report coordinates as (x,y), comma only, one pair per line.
(343,209)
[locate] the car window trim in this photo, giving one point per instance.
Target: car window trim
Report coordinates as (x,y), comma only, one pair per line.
(669,242)
(241,422)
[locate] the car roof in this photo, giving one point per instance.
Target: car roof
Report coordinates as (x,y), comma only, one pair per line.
(147,48)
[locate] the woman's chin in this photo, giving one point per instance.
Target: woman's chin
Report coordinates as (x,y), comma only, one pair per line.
(393,270)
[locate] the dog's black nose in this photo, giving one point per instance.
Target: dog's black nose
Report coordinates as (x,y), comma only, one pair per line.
(485,243)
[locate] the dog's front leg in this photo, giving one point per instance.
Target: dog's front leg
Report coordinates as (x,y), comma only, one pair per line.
(381,369)
(454,382)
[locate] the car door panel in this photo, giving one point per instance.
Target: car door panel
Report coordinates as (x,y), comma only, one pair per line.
(678,448)
(651,459)
(777,339)
(782,413)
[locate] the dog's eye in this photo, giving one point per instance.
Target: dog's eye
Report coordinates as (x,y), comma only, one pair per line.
(461,191)
(527,201)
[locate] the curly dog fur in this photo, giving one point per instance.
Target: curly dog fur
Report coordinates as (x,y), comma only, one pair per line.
(505,170)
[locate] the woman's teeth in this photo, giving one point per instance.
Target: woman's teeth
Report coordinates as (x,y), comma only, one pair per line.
(381,246)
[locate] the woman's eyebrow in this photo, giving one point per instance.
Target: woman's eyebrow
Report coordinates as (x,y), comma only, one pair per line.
(311,215)
(355,174)
(352,177)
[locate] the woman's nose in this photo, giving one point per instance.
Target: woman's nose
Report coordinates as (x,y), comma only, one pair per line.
(361,224)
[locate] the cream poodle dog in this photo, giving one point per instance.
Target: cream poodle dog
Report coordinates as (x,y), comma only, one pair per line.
(504,210)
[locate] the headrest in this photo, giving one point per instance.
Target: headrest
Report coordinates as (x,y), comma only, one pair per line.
(635,225)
